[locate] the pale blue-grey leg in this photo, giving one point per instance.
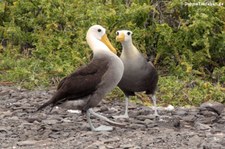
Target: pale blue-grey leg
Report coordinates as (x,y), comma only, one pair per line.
(126,110)
(154,106)
(102,127)
(89,121)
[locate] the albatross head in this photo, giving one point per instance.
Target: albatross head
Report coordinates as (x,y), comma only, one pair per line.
(98,40)
(124,36)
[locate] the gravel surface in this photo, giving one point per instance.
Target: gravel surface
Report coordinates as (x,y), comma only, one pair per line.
(178,128)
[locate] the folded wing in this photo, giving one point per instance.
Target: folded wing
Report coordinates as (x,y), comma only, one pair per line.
(79,84)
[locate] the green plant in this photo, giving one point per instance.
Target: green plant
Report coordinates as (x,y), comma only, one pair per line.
(43,41)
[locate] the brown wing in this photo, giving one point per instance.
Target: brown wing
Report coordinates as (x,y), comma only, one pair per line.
(79,84)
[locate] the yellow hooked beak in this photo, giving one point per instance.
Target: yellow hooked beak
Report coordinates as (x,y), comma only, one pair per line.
(120,37)
(106,41)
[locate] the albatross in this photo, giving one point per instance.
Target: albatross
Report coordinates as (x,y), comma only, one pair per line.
(85,88)
(139,74)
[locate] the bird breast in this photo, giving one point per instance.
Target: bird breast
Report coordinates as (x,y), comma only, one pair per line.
(113,75)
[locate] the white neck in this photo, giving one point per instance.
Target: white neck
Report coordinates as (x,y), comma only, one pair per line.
(97,46)
(129,49)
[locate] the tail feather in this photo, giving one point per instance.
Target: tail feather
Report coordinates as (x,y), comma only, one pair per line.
(52,101)
(55,99)
(44,105)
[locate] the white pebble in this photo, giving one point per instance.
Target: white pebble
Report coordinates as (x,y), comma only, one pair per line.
(74,111)
(169,108)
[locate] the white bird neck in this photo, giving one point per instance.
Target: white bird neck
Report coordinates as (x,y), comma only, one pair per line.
(129,49)
(97,46)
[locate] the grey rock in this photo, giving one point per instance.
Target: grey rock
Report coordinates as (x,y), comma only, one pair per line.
(209,113)
(207,120)
(32,119)
(4,114)
(189,118)
(200,126)
(110,147)
(103,109)
(3,129)
(152,125)
(213,106)
(27,142)
(194,140)
(50,121)
(180,112)
(148,121)
(102,147)
(127,146)
(137,126)
(144,117)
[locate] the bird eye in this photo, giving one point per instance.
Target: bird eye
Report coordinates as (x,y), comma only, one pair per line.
(117,33)
(128,33)
(99,30)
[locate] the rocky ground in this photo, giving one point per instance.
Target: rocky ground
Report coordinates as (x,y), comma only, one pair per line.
(179,128)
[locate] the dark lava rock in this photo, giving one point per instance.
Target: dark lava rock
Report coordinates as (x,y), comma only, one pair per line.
(213,106)
(176,123)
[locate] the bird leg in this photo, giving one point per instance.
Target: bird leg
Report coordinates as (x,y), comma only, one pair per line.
(102,127)
(126,110)
(154,106)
